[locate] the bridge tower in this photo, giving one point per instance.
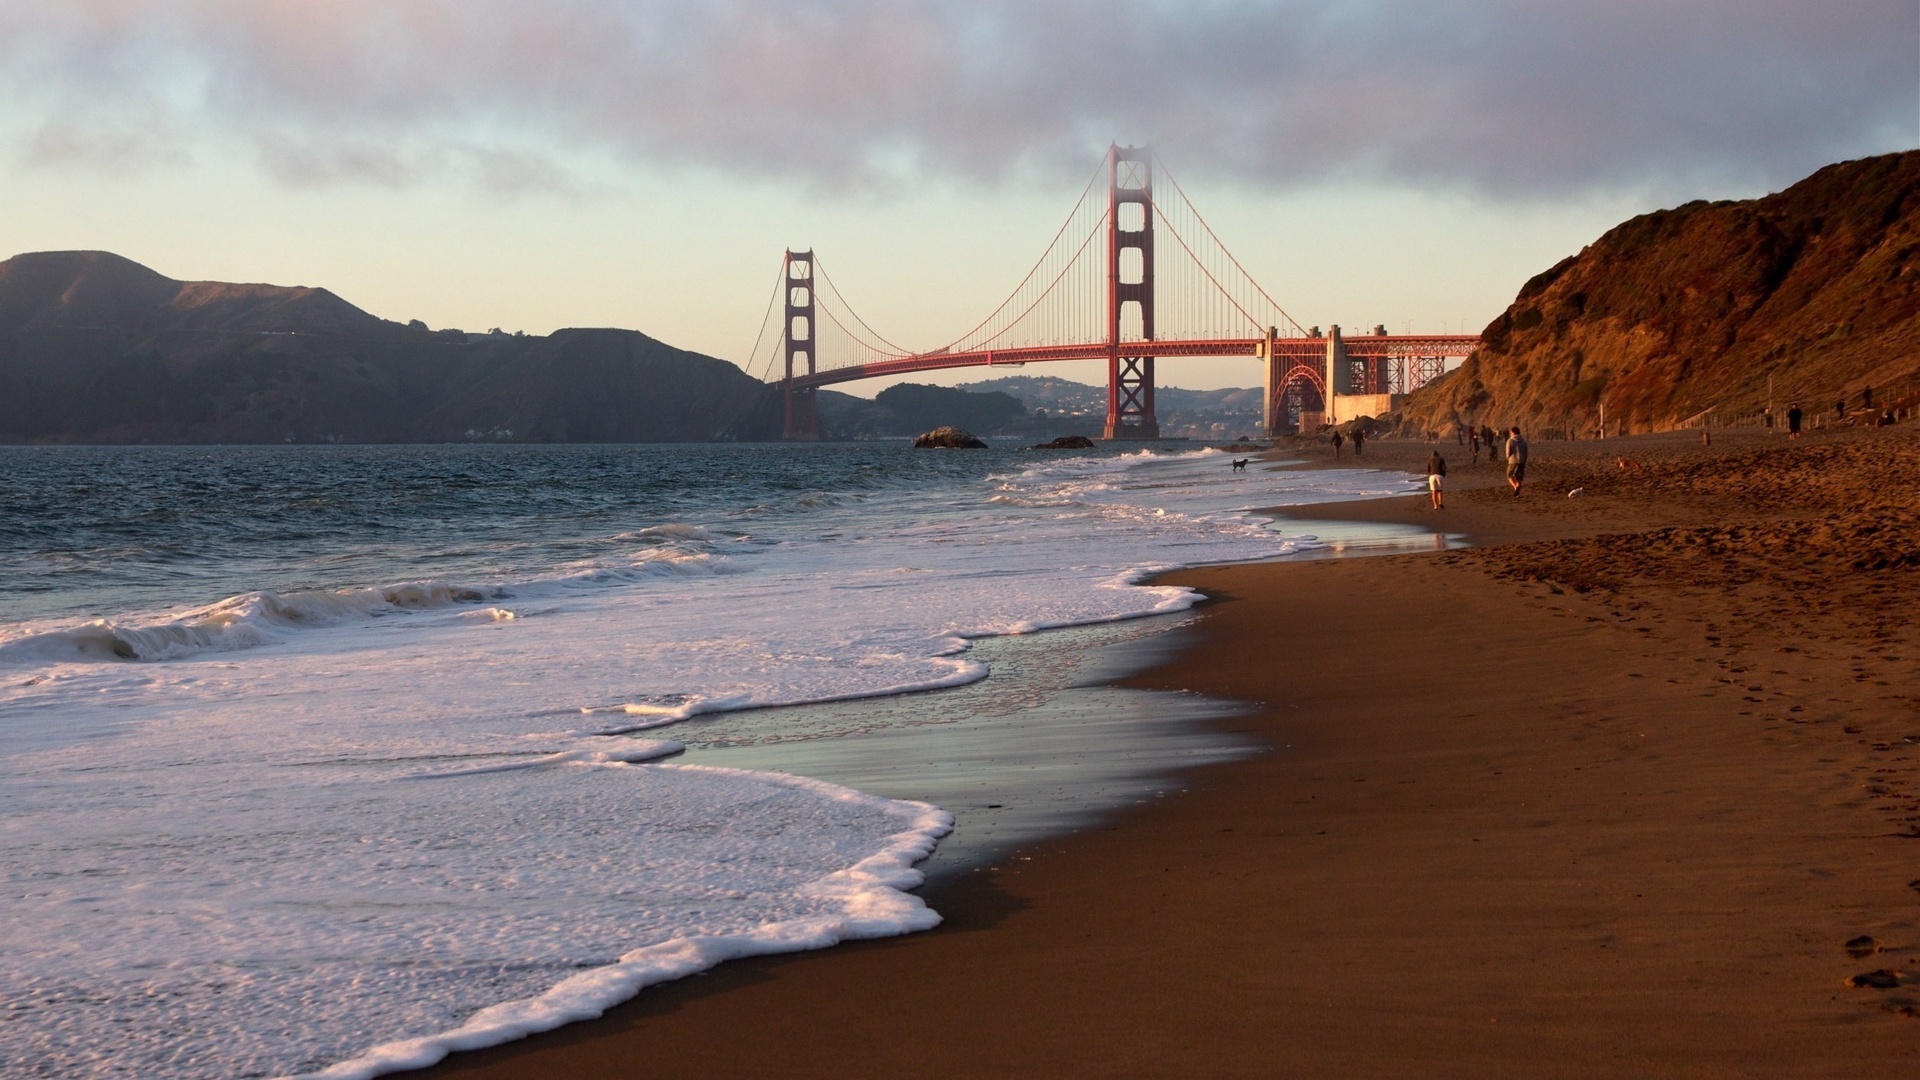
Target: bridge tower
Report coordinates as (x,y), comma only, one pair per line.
(798,337)
(1129,281)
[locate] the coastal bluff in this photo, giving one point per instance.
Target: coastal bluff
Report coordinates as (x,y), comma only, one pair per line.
(95,348)
(1680,311)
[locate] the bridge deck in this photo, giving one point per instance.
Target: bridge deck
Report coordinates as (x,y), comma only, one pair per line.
(1366,346)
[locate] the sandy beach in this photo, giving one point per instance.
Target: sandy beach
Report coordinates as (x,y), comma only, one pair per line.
(1630,787)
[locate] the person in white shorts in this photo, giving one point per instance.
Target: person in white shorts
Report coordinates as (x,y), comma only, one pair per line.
(1436,468)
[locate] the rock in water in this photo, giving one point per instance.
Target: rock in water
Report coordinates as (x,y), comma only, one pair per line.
(1066,442)
(948,438)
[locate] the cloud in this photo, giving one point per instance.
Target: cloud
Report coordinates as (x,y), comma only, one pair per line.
(1523,98)
(124,148)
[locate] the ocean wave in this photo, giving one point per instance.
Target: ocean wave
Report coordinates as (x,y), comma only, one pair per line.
(866,900)
(951,669)
(1038,481)
(639,751)
(643,565)
(261,618)
(238,622)
(675,531)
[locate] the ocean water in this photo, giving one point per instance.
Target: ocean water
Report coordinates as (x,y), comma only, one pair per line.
(329,760)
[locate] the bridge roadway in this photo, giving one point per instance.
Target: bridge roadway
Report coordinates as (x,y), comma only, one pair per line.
(1302,350)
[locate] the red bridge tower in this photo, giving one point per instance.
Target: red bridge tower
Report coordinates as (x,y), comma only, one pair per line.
(801,421)
(1129,281)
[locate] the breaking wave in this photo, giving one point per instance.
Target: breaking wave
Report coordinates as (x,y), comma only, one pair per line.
(238,622)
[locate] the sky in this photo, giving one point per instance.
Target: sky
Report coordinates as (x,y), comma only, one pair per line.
(488,163)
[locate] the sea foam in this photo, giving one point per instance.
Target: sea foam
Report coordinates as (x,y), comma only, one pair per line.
(366,916)
(238,622)
(434,818)
(865,900)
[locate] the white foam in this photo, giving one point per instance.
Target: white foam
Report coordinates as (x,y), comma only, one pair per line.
(238,622)
(865,900)
(225,922)
(489,614)
(679,531)
(632,754)
(230,813)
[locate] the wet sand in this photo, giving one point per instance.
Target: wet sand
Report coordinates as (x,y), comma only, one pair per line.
(1044,747)
(1606,795)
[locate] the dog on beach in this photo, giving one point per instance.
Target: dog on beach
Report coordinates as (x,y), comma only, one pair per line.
(1240,464)
(1628,463)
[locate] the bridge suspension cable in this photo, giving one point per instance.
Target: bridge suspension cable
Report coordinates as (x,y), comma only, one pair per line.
(1205,292)
(821,269)
(1059,301)
(1240,289)
(766,319)
(763,372)
(1084,220)
(847,347)
(1133,300)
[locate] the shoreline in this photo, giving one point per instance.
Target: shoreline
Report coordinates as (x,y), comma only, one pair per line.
(1507,827)
(1047,746)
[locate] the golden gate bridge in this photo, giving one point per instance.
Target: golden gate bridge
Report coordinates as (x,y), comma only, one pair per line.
(1131,277)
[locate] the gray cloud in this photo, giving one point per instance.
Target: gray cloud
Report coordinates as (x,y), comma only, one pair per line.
(123,147)
(1508,97)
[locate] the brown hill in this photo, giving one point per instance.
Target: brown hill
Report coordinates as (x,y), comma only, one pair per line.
(82,289)
(95,348)
(1692,309)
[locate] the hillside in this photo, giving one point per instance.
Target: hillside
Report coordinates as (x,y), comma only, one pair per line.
(1064,407)
(1676,312)
(95,348)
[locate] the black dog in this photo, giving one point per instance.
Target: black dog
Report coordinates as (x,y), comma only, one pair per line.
(1240,464)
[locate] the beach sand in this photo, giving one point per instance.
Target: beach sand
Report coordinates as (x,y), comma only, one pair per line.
(1607,794)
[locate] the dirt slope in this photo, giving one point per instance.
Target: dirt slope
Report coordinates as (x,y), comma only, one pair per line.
(1689,309)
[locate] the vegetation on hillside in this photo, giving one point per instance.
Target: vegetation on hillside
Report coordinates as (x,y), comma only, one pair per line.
(1812,291)
(95,348)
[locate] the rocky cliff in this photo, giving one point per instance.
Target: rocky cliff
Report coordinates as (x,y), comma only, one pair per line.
(95,348)
(1681,311)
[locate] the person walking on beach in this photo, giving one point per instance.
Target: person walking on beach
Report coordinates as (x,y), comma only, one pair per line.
(1516,459)
(1491,441)
(1840,409)
(1473,440)
(1793,420)
(1359,440)
(1436,468)
(1337,440)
